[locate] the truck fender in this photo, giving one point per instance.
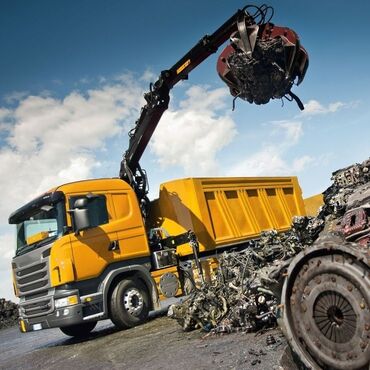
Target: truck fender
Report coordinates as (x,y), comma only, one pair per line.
(129,271)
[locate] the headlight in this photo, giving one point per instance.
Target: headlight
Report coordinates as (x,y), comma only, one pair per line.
(66,301)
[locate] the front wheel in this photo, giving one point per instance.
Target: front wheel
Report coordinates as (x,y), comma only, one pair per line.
(79,330)
(129,304)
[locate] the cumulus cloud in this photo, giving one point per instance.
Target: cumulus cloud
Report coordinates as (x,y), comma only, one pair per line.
(191,136)
(7,251)
(313,107)
(148,76)
(49,141)
(15,96)
(271,159)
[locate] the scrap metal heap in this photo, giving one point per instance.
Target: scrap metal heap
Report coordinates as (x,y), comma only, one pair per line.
(245,292)
(325,296)
(8,313)
(252,288)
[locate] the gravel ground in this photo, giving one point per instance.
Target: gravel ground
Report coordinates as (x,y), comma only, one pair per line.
(158,344)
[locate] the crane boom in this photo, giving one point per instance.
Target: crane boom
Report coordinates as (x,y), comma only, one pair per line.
(242,25)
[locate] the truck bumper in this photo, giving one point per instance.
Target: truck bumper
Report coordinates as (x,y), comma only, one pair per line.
(65,316)
(85,309)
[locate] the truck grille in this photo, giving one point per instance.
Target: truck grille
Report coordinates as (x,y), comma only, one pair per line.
(32,279)
(33,283)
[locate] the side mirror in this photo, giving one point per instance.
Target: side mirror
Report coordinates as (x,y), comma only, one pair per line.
(80,203)
(80,215)
(81,219)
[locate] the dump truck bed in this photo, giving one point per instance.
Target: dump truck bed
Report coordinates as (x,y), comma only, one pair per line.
(226,211)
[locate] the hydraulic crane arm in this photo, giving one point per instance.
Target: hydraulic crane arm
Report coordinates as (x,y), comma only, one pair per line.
(157,100)
(242,26)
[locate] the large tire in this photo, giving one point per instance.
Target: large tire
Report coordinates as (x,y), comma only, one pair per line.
(326,304)
(79,330)
(129,304)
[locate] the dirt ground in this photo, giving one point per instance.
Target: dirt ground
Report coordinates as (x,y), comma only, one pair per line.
(158,344)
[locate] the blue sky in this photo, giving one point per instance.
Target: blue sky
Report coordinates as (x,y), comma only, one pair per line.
(72,74)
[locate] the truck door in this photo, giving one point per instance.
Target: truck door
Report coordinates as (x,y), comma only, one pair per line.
(93,248)
(131,232)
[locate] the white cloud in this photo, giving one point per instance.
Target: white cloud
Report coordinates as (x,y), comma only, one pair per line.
(313,107)
(291,131)
(4,114)
(148,76)
(192,135)
(271,159)
(6,252)
(15,96)
(52,141)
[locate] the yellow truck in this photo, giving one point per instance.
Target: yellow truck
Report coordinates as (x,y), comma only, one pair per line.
(84,253)
(100,249)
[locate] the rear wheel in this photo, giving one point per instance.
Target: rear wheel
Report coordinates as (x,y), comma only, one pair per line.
(327,306)
(129,304)
(79,330)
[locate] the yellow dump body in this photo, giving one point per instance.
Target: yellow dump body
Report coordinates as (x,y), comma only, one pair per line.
(226,211)
(313,204)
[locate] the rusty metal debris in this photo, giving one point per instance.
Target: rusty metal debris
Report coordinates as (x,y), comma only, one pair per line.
(8,313)
(326,316)
(270,340)
(263,60)
(246,293)
(345,182)
(262,77)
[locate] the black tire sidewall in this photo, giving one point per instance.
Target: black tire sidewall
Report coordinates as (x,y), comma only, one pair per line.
(119,314)
(79,330)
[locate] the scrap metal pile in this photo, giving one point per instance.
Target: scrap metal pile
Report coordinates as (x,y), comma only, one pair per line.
(325,296)
(245,293)
(346,181)
(8,313)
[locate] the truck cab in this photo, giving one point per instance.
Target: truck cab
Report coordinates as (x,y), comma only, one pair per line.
(73,244)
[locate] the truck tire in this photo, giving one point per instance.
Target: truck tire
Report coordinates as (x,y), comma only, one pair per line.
(129,304)
(326,305)
(79,330)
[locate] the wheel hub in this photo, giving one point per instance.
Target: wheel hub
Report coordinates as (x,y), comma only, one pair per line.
(133,301)
(335,317)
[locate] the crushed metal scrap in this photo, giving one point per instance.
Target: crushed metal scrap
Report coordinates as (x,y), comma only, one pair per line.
(261,78)
(8,313)
(325,296)
(246,290)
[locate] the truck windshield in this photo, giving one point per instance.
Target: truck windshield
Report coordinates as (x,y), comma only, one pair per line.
(42,226)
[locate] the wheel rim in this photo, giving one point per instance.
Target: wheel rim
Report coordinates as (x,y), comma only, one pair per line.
(133,301)
(327,311)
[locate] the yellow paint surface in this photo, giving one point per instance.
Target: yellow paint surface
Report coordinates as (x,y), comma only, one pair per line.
(224,211)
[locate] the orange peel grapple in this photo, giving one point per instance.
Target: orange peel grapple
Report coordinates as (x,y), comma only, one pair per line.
(262,61)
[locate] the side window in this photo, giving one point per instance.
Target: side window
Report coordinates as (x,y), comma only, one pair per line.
(97,206)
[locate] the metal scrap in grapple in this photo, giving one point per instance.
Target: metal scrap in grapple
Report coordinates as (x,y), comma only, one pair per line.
(263,60)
